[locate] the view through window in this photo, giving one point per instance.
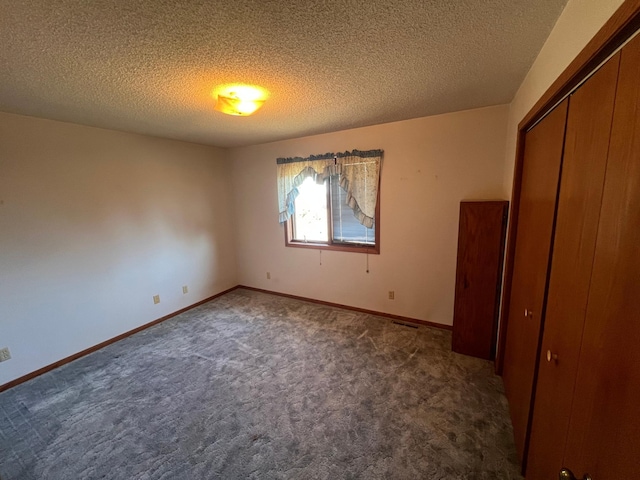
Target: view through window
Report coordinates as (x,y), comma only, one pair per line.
(310,217)
(322,216)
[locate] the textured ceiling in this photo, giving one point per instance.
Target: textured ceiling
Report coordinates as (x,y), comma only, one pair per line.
(149,66)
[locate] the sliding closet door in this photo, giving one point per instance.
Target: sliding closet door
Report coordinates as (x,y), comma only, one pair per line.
(583,171)
(539,187)
(604,431)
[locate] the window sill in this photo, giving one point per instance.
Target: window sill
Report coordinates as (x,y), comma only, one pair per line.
(372,250)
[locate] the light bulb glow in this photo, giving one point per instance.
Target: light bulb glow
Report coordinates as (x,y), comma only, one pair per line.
(241,100)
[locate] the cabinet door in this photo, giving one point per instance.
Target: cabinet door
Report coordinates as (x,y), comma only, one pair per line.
(480,252)
(539,189)
(583,171)
(604,431)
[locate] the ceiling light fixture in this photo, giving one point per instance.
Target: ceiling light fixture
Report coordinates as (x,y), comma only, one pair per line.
(241,100)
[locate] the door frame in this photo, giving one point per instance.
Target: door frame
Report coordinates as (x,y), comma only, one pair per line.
(622,24)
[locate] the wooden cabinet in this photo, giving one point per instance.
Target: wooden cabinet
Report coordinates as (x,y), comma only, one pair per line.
(480,251)
(572,375)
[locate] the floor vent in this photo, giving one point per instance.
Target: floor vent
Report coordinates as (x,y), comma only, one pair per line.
(404,324)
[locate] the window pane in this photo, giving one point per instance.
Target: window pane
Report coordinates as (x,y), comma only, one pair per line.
(310,217)
(346,227)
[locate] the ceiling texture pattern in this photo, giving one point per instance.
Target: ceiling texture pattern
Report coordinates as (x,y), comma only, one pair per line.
(149,66)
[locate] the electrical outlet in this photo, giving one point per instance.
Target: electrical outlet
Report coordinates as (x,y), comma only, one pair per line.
(185,289)
(5,354)
(156,299)
(392,295)
(268,275)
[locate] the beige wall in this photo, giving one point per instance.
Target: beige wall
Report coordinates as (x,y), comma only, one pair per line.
(429,165)
(578,23)
(93,223)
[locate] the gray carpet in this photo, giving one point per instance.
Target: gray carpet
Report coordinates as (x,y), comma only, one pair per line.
(258,386)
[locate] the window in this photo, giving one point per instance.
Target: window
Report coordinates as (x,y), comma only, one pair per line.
(330,201)
(322,218)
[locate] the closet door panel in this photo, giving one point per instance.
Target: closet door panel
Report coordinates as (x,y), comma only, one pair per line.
(540,175)
(604,431)
(583,172)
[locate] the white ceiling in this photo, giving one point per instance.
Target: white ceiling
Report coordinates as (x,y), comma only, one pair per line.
(149,66)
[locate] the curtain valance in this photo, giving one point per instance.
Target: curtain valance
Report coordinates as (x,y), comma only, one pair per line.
(359,176)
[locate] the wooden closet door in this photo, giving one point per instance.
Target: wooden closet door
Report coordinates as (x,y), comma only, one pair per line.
(583,171)
(604,431)
(539,188)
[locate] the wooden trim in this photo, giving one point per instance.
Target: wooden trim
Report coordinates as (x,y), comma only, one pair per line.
(378,228)
(336,247)
(89,350)
(329,209)
(511,252)
(332,246)
(355,309)
(623,23)
(503,236)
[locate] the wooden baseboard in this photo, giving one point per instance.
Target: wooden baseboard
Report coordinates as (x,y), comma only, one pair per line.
(355,309)
(89,350)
